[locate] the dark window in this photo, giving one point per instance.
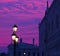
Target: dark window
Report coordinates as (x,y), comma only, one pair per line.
(19,54)
(28,53)
(46,36)
(57,21)
(38,54)
(52,25)
(33,53)
(49,27)
(42,53)
(46,33)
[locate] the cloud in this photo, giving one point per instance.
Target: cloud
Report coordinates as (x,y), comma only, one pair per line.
(7,1)
(27,8)
(26,14)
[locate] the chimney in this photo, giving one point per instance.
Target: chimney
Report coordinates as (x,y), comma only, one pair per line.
(33,41)
(20,40)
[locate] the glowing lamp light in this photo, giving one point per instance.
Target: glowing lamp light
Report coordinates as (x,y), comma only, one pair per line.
(24,53)
(13,36)
(16,39)
(15,28)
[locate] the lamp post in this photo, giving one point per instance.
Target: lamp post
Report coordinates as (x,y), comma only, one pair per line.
(14,38)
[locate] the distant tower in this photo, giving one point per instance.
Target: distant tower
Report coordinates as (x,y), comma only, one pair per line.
(20,40)
(47,7)
(33,41)
(46,24)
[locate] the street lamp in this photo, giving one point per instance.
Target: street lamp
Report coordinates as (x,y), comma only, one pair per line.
(15,38)
(15,27)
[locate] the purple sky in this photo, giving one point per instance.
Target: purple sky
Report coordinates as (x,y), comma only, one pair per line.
(26,14)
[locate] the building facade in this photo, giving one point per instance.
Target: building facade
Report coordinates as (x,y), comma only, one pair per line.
(24,49)
(49,31)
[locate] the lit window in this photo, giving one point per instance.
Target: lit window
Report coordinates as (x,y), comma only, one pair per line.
(24,53)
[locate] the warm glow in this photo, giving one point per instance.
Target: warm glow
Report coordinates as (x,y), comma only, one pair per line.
(16,39)
(14,29)
(13,37)
(24,53)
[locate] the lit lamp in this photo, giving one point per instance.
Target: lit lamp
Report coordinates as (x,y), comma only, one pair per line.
(16,39)
(13,36)
(24,53)
(15,28)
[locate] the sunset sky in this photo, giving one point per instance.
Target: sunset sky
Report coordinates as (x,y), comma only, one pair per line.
(26,14)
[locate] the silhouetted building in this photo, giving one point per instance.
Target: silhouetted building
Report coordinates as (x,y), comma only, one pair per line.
(49,31)
(3,54)
(24,49)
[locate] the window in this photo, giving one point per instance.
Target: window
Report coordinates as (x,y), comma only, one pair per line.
(52,27)
(28,53)
(46,39)
(24,53)
(38,54)
(33,53)
(19,54)
(49,27)
(57,21)
(46,33)
(42,53)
